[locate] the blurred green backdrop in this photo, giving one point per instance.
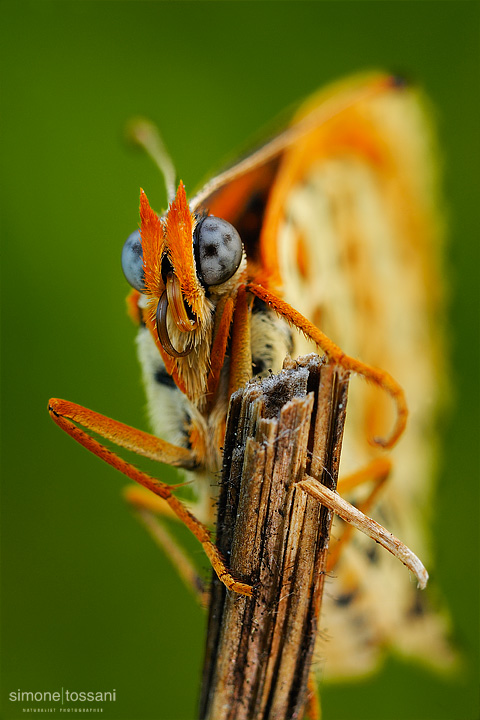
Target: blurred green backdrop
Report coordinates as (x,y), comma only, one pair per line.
(88,601)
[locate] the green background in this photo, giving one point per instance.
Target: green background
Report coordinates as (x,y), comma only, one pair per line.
(88,601)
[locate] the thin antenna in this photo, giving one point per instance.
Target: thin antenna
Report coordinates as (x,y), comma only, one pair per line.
(145,133)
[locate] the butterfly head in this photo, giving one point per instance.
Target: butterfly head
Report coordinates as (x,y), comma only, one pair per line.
(184,263)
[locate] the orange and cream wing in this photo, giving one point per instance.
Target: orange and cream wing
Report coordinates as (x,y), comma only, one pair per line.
(354,233)
(338,218)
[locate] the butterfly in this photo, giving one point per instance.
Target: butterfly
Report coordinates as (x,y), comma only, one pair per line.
(325,237)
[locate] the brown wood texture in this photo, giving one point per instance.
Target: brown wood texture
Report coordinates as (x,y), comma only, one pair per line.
(275,536)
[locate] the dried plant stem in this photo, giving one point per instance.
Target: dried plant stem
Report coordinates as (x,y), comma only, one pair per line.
(370,527)
(275,536)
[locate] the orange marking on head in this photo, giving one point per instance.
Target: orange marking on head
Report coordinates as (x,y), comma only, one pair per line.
(179,226)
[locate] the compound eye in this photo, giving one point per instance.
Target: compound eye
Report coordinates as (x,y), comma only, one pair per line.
(132,261)
(218,250)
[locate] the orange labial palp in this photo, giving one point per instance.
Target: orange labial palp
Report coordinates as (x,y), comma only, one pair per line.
(151,231)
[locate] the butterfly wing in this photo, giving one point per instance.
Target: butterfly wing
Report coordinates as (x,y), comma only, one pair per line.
(338,216)
(357,237)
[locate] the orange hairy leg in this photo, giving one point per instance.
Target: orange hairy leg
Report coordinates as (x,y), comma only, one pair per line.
(379,377)
(66,415)
(377,472)
(241,354)
(122,435)
(219,347)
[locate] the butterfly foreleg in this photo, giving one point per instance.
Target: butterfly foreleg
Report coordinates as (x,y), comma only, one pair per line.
(376,472)
(241,353)
(73,418)
(379,377)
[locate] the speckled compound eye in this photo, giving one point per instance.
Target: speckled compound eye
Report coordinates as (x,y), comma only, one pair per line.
(132,261)
(218,250)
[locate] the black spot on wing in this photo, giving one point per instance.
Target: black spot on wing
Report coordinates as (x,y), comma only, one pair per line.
(345,599)
(418,608)
(372,553)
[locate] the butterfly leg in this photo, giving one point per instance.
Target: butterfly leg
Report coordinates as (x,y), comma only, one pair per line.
(379,377)
(72,418)
(376,472)
(149,509)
